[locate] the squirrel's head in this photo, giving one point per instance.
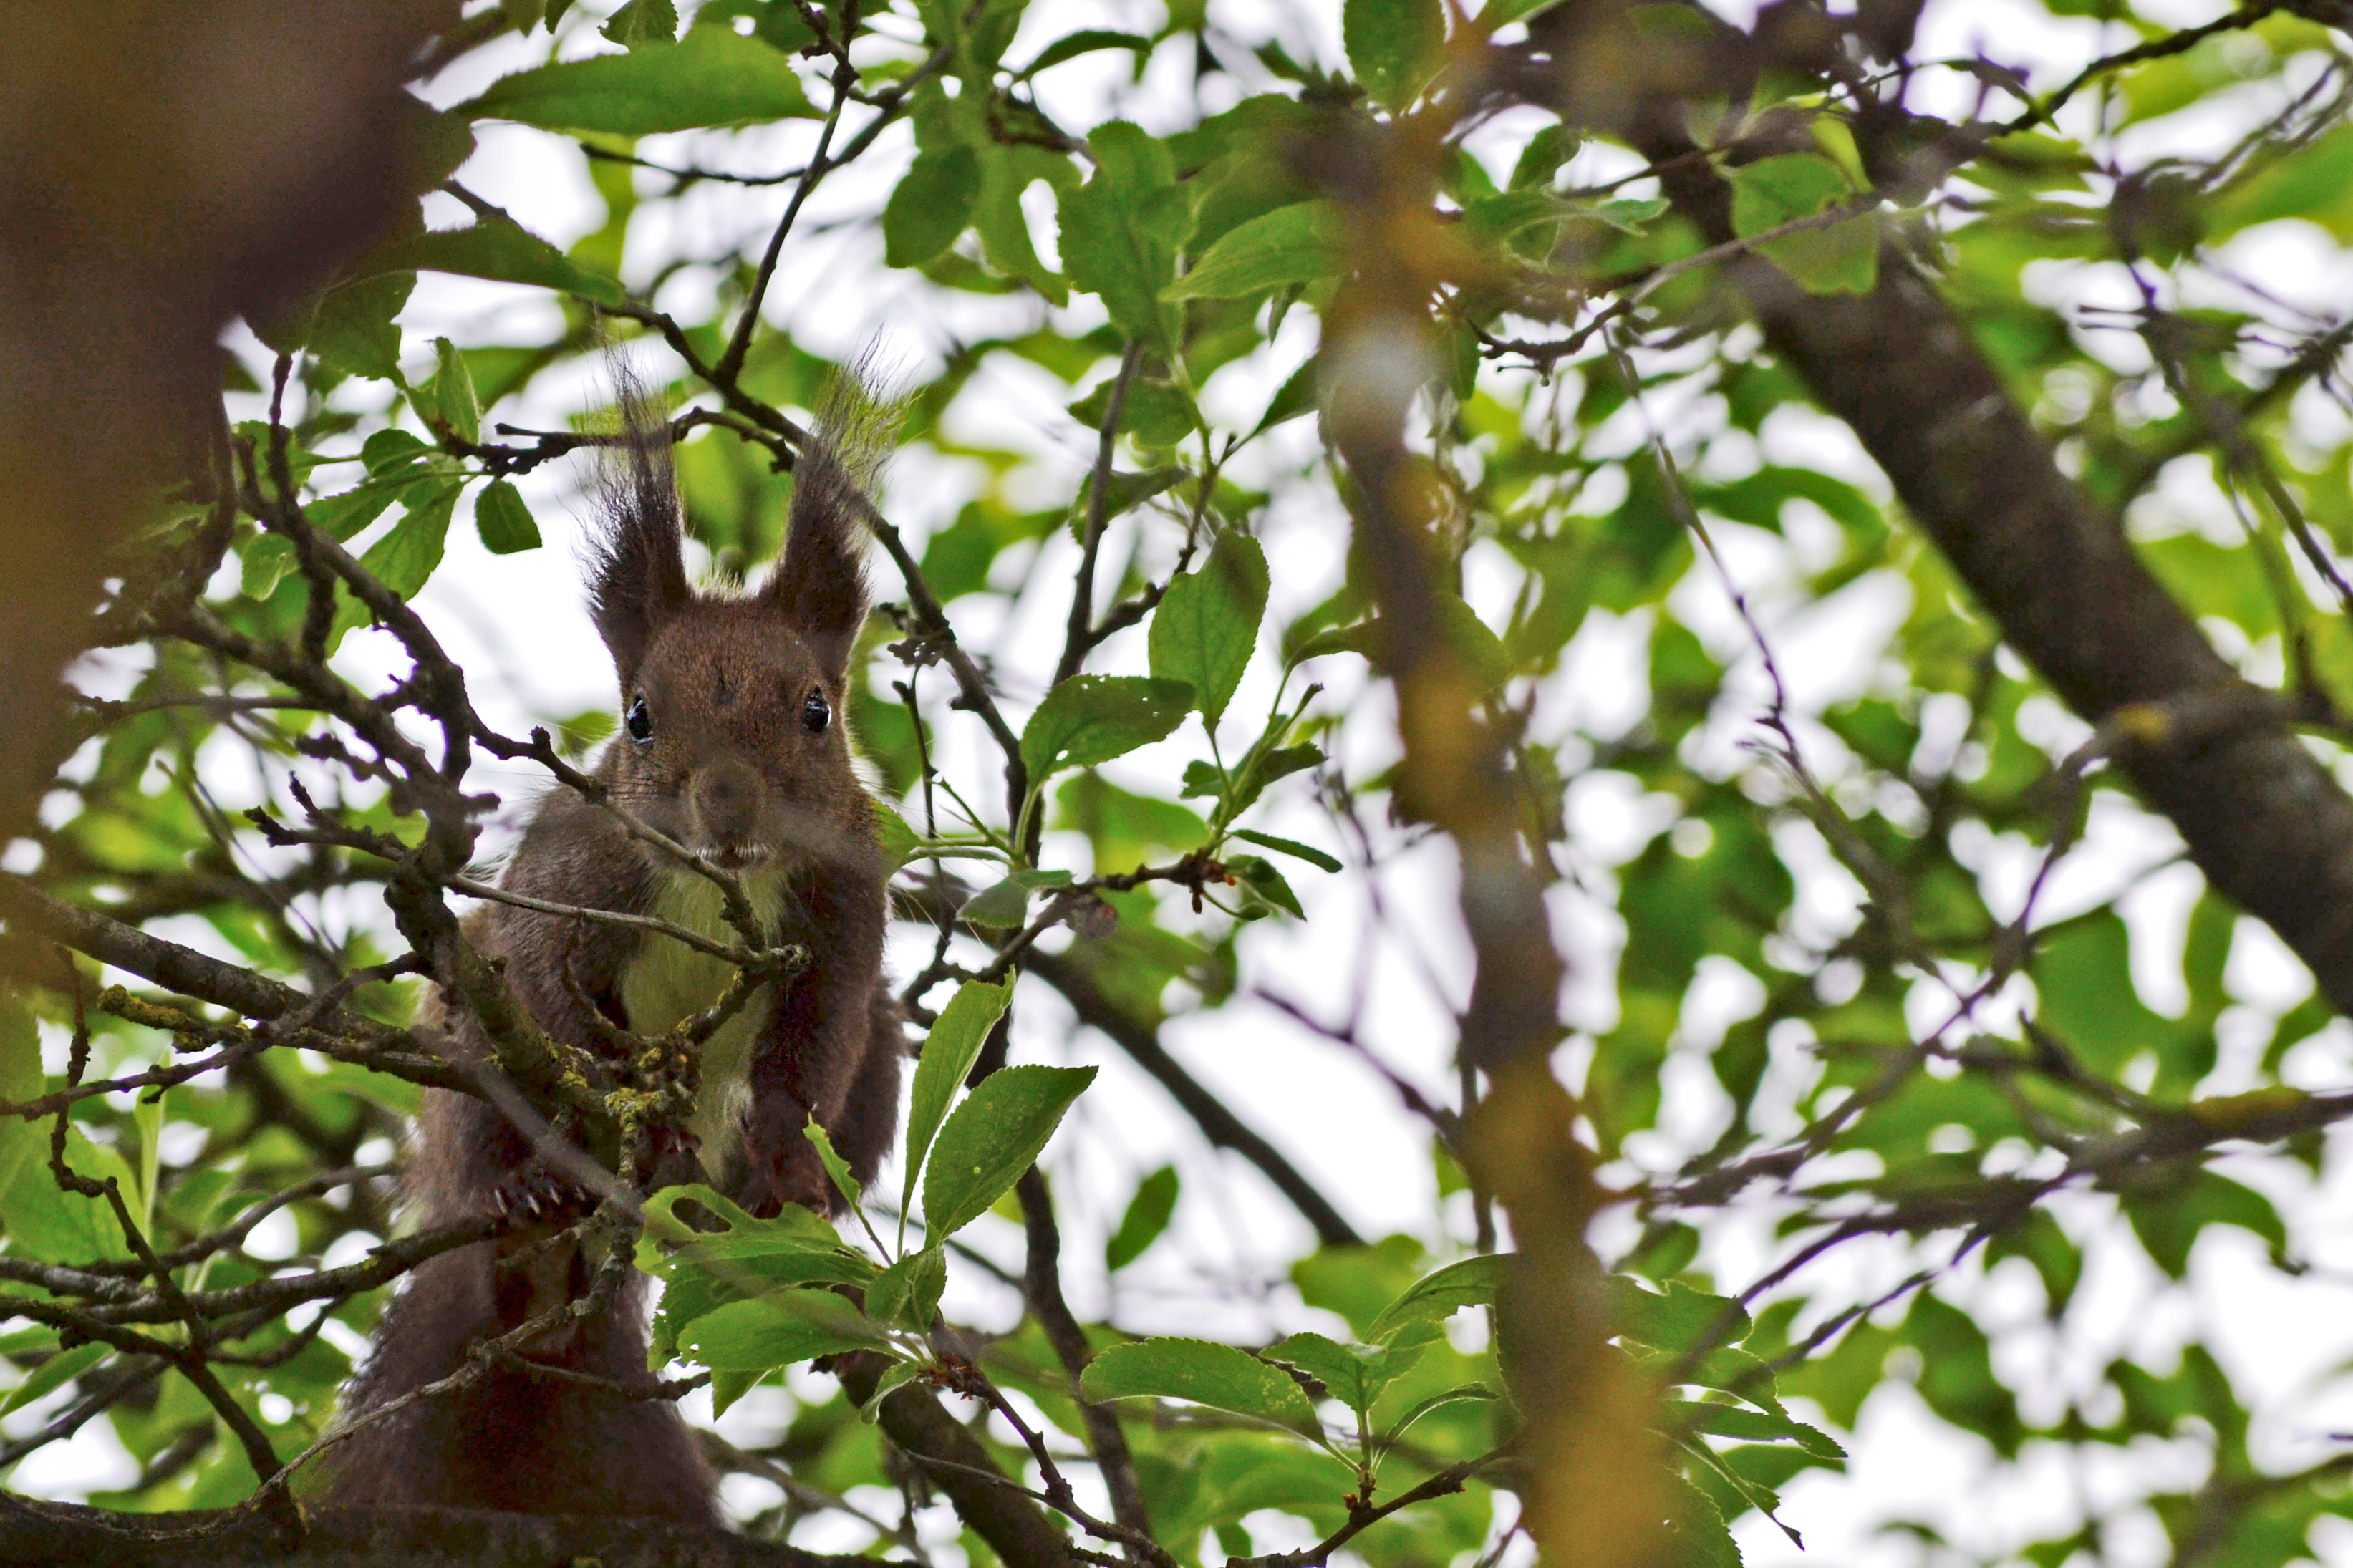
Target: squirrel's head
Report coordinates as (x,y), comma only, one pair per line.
(732,738)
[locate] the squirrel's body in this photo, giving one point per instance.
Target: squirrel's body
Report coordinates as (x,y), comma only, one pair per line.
(731,748)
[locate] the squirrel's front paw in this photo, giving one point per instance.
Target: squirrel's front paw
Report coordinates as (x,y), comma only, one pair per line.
(536,1195)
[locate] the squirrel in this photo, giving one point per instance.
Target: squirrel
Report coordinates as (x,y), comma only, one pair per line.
(732,743)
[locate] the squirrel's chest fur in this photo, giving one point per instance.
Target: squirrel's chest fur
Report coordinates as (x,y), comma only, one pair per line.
(668,980)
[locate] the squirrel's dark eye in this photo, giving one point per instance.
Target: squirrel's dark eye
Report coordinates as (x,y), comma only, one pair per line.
(816,712)
(640,721)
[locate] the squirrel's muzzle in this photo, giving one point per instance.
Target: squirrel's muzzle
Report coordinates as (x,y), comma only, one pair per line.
(727,795)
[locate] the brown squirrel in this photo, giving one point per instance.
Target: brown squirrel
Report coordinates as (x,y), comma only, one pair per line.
(733,744)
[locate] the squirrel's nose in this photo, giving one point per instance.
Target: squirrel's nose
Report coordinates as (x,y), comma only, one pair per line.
(727,794)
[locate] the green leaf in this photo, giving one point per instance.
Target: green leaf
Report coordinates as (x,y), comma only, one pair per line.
(994,1136)
(643,24)
(1393,46)
(899,841)
(503,521)
(2169,1216)
(1267,767)
(263,562)
(20,1079)
(1355,1375)
(907,1292)
(712,76)
(949,1051)
(1202,1371)
(1306,852)
(50,1224)
(778,1329)
(1419,1314)
(54,1373)
(1120,231)
(1091,719)
(1124,492)
(1752,1425)
(453,393)
(343,517)
(1005,172)
(931,204)
(354,331)
(1679,1319)
(500,250)
(1124,828)
(1294,397)
(895,1376)
(1480,651)
(1205,627)
(1260,878)
(1086,41)
(1840,259)
(404,559)
(836,1166)
(1296,244)
(1147,1215)
(1001,906)
(1541,159)
(1459,1395)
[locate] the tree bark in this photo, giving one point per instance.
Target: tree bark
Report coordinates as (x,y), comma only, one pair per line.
(56,1533)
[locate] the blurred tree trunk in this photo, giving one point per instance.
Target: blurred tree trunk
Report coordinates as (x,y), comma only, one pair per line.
(171,166)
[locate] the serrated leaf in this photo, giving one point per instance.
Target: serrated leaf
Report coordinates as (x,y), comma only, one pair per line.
(54,1373)
(1295,244)
(49,1224)
(354,331)
(1206,627)
(263,562)
(1307,852)
(1840,259)
(1269,766)
(907,1292)
(994,1136)
(895,1376)
(1001,906)
(712,76)
(1461,1394)
(1541,159)
(1124,492)
(498,249)
(836,1167)
(1147,1215)
(1091,719)
(1203,1372)
(931,204)
(777,1330)
(1260,878)
(1677,1319)
(404,559)
(1354,1374)
(1120,231)
(643,24)
(1294,397)
(1418,1315)
(949,1051)
(453,393)
(19,1081)
(1752,1425)
(1086,41)
(504,521)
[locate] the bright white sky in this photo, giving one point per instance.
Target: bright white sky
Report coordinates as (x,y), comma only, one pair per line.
(517,624)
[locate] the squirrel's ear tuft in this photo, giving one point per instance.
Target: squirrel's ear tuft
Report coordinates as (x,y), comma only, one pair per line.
(820,583)
(637,565)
